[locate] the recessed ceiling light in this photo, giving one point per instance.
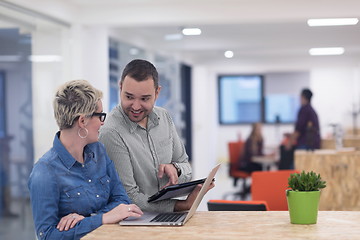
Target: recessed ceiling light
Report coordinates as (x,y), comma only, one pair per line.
(332,22)
(191,31)
(10,58)
(326,51)
(229,54)
(173,37)
(45,58)
(134,51)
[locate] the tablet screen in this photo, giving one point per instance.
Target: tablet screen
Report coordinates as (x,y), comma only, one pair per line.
(177,190)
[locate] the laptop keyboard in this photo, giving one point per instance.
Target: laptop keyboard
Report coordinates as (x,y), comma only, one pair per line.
(167,217)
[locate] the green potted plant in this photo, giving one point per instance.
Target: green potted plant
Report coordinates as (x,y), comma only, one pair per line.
(303,197)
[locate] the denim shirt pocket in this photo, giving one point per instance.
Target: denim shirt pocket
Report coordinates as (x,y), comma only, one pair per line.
(105,186)
(75,200)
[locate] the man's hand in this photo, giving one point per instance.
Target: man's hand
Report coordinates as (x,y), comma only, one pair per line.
(184,205)
(171,172)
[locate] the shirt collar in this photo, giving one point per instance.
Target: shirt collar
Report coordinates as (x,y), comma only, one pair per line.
(307,105)
(153,120)
(67,159)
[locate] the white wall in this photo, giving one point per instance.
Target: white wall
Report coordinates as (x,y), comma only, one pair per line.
(90,48)
(336,90)
(203,122)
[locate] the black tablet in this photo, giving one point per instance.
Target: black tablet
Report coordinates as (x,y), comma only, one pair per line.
(177,190)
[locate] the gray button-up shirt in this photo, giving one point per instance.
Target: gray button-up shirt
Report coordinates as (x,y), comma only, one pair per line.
(137,153)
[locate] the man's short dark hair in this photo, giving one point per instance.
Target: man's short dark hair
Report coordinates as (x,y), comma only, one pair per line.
(307,94)
(141,70)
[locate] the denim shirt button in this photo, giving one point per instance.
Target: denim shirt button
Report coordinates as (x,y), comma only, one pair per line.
(78,194)
(97,195)
(89,180)
(40,234)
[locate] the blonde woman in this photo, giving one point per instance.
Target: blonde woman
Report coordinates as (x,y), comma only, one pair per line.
(74,187)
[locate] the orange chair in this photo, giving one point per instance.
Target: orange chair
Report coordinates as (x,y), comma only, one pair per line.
(227,205)
(235,151)
(270,186)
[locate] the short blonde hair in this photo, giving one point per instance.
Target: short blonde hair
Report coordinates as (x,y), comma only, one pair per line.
(72,99)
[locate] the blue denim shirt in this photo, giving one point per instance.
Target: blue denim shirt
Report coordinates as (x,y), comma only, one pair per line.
(59,185)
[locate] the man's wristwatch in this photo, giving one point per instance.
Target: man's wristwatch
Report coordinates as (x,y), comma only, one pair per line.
(178,169)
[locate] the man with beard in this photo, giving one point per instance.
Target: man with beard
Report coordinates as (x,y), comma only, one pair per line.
(142,141)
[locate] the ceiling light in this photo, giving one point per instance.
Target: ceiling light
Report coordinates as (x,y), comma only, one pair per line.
(45,58)
(229,54)
(326,51)
(134,51)
(173,37)
(10,58)
(332,22)
(191,31)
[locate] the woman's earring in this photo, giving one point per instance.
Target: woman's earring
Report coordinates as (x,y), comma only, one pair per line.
(86,132)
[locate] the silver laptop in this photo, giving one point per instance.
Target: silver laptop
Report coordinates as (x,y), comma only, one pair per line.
(172,218)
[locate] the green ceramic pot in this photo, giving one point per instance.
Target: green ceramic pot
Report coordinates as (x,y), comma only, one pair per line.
(303,206)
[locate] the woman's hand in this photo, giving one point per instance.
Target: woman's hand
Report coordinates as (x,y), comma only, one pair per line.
(69,221)
(121,212)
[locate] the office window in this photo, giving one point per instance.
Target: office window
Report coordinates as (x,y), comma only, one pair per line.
(240,99)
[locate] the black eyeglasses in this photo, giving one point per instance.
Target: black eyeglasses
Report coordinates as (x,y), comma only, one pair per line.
(101,115)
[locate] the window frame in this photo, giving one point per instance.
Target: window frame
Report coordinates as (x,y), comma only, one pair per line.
(3,105)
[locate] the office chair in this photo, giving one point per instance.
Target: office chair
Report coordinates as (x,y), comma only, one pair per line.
(270,186)
(227,205)
(235,151)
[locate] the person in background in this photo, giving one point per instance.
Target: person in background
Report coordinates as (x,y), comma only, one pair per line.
(287,149)
(142,141)
(307,130)
(253,147)
(74,187)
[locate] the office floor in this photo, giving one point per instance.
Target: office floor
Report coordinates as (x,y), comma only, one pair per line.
(22,227)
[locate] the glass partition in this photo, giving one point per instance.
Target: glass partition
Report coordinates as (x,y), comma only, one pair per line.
(33,51)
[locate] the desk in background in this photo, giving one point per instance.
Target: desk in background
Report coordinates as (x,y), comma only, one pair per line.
(347,142)
(340,170)
(241,225)
(267,162)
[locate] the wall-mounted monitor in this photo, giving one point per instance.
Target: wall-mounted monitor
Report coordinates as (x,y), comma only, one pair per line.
(240,99)
(281,108)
